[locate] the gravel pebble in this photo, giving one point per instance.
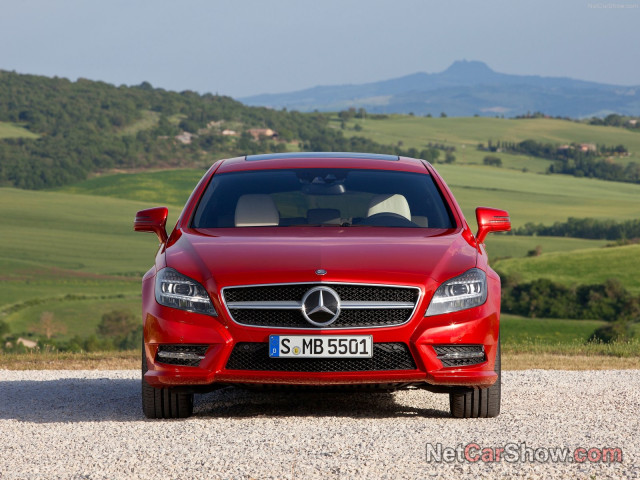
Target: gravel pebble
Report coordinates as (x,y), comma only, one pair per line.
(89,424)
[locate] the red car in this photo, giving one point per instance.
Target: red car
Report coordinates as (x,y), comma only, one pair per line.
(323,269)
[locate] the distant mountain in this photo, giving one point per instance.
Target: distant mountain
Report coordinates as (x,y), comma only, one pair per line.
(466,88)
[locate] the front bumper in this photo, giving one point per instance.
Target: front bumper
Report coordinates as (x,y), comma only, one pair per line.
(163,325)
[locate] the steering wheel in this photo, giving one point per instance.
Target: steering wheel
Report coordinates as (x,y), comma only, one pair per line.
(387,219)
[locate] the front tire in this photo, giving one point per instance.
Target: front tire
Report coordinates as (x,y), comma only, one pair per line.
(478,402)
(163,402)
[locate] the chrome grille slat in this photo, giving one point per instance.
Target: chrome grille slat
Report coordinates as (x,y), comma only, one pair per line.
(280,305)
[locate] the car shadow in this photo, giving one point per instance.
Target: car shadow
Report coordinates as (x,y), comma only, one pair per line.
(242,403)
(107,399)
(71,400)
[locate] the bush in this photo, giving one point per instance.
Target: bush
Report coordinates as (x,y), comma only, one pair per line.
(614,332)
(492,161)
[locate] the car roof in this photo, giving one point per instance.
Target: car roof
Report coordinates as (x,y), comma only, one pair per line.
(322,159)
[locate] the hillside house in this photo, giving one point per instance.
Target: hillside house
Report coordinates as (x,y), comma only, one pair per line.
(185,137)
(256,133)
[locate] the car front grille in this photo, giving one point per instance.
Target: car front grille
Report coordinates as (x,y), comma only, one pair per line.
(255,356)
(280,306)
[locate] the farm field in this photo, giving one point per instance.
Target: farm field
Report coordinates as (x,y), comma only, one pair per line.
(75,256)
(161,187)
(465,133)
(581,266)
(545,331)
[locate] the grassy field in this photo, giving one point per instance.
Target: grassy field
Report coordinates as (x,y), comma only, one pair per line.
(537,198)
(580,267)
(465,133)
(163,187)
(11,130)
(74,255)
(544,331)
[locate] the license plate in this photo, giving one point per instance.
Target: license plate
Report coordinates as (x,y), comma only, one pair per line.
(325,346)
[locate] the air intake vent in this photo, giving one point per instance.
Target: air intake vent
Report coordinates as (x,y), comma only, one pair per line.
(386,356)
(183,355)
(460,355)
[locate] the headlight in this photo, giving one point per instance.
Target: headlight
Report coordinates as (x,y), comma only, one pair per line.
(177,291)
(466,291)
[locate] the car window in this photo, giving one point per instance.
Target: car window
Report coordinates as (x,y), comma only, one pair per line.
(322,197)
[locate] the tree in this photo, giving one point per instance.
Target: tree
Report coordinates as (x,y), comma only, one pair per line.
(492,160)
(117,324)
(48,326)
(443,115)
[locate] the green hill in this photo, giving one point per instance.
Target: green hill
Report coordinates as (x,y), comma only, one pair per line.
(465,133)
(469,131)
(589,266)
(73,130)
(76,256)
(157,187)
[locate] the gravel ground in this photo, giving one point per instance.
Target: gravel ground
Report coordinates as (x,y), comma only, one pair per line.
(88,424)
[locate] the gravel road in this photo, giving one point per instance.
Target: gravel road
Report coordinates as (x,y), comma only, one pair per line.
(88,424)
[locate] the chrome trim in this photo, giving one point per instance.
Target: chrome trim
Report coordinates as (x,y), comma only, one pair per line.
(275,305)
(180,355)
(293,305)
(456,355)
(320,282)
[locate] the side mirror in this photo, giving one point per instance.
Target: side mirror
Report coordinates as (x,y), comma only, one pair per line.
(491,220)
(152,220)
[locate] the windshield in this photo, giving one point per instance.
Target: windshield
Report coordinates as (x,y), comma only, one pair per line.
(322,197)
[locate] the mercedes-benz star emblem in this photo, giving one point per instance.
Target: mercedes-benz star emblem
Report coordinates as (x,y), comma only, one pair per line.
(321,306)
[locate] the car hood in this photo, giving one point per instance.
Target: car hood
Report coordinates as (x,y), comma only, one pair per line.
(258,255)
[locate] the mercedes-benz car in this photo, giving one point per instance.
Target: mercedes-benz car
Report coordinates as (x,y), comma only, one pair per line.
(321,269)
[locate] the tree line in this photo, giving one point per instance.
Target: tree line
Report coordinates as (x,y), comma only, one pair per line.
(591,228)
(578,160)
(542,298)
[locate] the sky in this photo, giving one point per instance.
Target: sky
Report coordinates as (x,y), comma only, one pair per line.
(247,47)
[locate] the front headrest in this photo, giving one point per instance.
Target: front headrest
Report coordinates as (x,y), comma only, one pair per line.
(391,203)
(256,210)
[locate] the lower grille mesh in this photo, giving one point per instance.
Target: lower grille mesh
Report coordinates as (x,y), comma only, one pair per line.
(386,356)
(460,355)
(191,352)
